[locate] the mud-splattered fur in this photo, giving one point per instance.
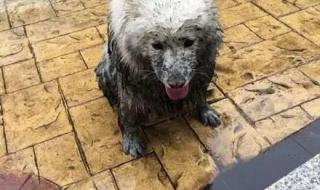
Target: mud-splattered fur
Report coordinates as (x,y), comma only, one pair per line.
(125,72)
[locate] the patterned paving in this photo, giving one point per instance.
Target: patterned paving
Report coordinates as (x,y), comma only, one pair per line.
(278,165)
(56,124)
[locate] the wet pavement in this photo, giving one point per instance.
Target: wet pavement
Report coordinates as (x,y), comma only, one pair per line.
(285,165)
(56,126)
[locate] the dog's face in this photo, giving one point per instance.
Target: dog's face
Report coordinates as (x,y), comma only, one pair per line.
(174,55)
(174,60)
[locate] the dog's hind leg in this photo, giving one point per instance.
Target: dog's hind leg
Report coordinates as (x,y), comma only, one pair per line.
(106,77)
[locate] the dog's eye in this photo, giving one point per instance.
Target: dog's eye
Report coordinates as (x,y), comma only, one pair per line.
(157,46)
(188,43)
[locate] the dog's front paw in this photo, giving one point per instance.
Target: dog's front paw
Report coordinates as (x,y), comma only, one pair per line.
(209,117)
(133,143)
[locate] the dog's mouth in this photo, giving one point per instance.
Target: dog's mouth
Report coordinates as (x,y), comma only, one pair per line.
(177,93)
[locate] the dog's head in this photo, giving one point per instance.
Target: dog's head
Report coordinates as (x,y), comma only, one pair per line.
(176,56)
(175,44)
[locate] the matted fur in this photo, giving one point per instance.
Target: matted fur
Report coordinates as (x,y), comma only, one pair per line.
(133,75)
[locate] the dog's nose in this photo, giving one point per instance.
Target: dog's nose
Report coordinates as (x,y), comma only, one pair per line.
(178,84)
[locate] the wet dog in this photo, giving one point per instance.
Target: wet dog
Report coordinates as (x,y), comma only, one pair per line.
(159,58)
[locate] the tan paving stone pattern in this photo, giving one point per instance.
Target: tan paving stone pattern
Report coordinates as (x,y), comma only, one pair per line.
(2,143)
(267,27)
(37,112)
(275,94)
(61,66)
(282,125)
(56,124)
(306,22)
(80,87)
(238,37)
(100,181)
(4,23)
(99,135)
(313,108)
(92,3)
(2,88)
(66,6)
(103,31)
(237,138)
(214,94)
(23,12)
(304,3)
(129,176)
(223,4)
(22,75)
(239,14)
(312,71)
(14,46)
(22,161)
(193,167)
(263,59)
(58,26)
(276,7)
(59,160)
(92,55)
(69,43)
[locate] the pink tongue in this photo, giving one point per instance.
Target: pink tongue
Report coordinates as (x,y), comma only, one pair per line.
(177,93)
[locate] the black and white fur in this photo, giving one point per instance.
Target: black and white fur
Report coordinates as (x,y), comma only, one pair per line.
(153,44)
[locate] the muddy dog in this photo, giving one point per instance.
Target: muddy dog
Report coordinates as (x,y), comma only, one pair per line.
(159,58)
